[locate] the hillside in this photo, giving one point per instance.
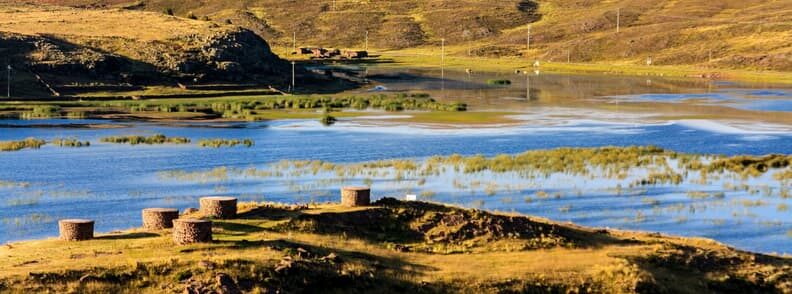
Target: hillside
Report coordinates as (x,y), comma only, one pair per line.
(720,33)
(70,47)
(393,246)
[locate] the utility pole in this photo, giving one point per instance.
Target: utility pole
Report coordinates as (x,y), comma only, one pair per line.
(442,58)
(618,19)
(442,66)
(569,55)
(366,40)
(293,85)
(528,40)
(9,81)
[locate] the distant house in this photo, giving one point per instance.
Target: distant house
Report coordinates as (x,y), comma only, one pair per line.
(352,54)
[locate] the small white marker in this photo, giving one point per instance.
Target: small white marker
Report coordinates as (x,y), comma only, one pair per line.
(411,197)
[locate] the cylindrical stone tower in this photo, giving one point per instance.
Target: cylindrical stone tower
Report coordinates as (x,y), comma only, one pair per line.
(159,218)
(219,207)
(355,196)
(76,229)
(188,231)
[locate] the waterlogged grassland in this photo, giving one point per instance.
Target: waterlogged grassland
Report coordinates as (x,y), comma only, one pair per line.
(236,109)
(634,186)
(430,57)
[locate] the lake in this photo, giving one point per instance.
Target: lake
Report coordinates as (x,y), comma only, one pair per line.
(112,183)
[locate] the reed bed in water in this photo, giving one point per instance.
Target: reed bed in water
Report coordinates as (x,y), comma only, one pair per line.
(635,174)
(29,143)
(218,143)
(70,142)
(150,140)
(607,162)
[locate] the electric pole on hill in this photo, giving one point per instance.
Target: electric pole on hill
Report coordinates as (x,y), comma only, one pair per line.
(293,85)
(618,19)
(528,40)
(8,93)
(442,58)
(442,66)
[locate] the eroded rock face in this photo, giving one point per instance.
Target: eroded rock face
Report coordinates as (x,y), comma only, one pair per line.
(228,55)
(236,55)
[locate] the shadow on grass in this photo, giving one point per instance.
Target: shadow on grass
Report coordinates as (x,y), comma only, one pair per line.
(420,222)
(269,213)
(136,235)
(236,229)
(301,250)
(691,269)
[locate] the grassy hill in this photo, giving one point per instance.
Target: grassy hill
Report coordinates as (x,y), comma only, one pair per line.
(392,247)
(749,34)
(120,48)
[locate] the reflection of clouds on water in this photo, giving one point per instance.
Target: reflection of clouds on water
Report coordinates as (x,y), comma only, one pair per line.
(760,100)
(446,130)
(736,127)
(758,138)
(547,120)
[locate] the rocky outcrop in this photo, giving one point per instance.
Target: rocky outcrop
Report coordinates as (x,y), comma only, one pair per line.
(233,55)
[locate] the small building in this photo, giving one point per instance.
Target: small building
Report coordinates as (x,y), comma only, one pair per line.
(353,54)
(305,50)
(319,52)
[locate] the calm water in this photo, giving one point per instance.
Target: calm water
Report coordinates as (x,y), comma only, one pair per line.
(112,183)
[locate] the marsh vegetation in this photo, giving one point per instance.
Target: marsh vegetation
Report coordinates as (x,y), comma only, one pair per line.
(148,140)
(648,183)
(218,143)
(28,143)
(70,142)
(245,108)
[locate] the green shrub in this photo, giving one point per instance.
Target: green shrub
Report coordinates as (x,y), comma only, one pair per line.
(499,82)
(327,119)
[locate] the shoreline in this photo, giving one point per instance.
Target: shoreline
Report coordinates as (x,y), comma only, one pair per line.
(415,58)
(272,246)
(337,205)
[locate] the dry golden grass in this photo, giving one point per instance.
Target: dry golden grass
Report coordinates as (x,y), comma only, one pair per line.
(740,34)
(620,266)
(85,23)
